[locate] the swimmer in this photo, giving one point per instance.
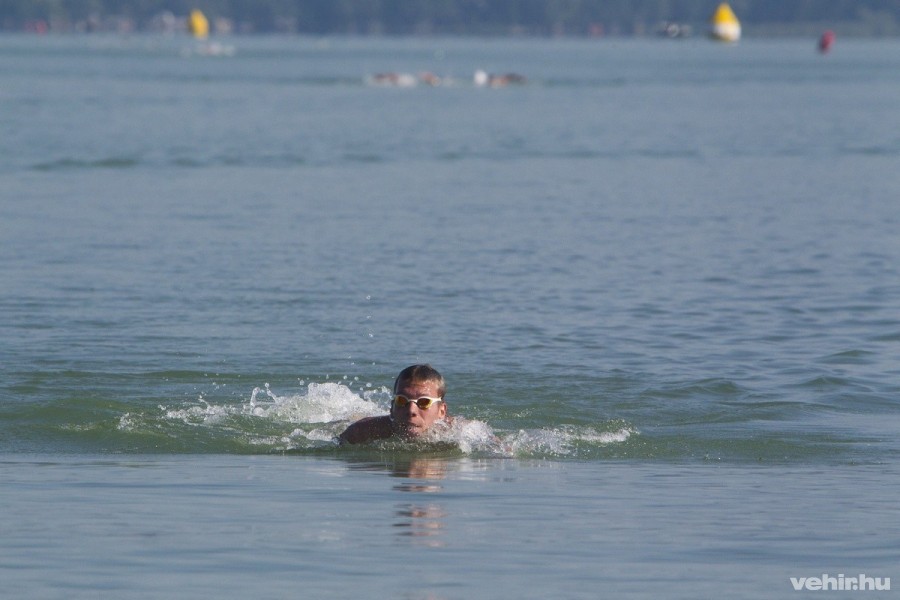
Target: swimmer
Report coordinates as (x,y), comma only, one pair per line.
(417,404)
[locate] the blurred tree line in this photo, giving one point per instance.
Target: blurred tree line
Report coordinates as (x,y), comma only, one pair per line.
(401,17)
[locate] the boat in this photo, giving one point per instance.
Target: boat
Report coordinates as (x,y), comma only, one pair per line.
(198,25)
(724,24)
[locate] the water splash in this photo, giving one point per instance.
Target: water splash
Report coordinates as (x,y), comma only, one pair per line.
(563,441)
(266,421)
(322,403)
(474,437)
(467,435)
(312,420)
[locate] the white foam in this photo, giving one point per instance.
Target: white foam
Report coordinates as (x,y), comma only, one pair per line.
(317,415)
(126,422)
(316,435)
(468,435)
(561,441)
(607,437)
(205,414)
(321,403)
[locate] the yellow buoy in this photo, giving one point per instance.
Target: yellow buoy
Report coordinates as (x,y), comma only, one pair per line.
(724,24)
(198,25)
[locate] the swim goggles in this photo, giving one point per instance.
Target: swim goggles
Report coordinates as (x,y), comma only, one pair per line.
(424,403)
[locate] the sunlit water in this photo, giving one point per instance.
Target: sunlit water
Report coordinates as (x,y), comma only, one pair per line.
(660,278)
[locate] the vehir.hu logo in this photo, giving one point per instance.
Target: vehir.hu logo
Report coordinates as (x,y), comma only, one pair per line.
(826,582)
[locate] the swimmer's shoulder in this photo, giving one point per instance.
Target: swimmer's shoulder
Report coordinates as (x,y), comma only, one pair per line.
(367,430)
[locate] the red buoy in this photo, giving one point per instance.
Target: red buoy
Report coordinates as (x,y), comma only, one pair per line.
(826,41)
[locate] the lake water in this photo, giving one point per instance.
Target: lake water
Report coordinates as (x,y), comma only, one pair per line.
(661,279)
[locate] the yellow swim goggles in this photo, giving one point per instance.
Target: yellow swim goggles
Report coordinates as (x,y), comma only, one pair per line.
(424,403)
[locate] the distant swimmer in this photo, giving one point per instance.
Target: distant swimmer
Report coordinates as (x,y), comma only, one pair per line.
(417,404)
(484,79)
(429,78)
(394,79)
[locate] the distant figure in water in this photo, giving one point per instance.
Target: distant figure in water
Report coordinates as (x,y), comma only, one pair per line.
(418,403)
(393,79)
(429,78)
(484,79)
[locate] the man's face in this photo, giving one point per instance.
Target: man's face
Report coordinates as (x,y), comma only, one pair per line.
(410,420)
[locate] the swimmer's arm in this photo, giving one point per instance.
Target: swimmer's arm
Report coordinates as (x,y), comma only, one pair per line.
(367,430)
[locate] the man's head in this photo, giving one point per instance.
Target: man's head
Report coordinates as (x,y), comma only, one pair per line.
(417,383)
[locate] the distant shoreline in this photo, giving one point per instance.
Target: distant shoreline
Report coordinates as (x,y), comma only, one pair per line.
(873,25)
(749,32)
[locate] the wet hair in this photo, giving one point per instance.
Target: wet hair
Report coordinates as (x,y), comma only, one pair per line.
(420,374)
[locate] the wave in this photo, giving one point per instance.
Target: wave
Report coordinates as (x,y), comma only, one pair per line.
(564,441)
(202,160)
(712,419)
(66,164)
(312,422)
